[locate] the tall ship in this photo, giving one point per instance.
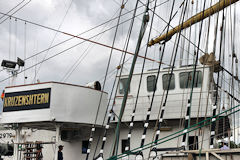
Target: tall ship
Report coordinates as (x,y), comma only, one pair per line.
(185,106)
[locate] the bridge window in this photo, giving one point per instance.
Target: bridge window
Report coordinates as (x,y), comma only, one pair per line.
(123,85)
(186,79)
(125,145)
(193,142)
(151,82)
(166,80)
(84,147)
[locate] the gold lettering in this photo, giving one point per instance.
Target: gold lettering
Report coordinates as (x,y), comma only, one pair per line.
(30,100)
(5,102)
(23,100)
(35,98)
(9,101)
(27,99)
(14,101)
(19,100)
(46,97)
(38,98)
(42,98)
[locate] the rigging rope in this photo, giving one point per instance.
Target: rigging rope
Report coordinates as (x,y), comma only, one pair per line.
(25,50)
(155,85)
(55,35)
(140,37)
(100,100)
(210,81)
(173,27)
(83,55)
(13,12)
(189,105)
(10,37)
(13,8)
(139,85)
(214,107)
(74,36)
(169,137)
(173,60)
(59,53)
(121,66)
(15,40)
(84,33)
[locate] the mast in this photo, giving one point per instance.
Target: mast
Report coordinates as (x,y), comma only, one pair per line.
(140,37)
(193,20)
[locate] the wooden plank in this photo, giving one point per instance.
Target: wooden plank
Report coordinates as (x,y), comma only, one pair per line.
(217,156)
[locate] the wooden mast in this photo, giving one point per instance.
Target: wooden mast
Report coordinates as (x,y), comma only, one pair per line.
(195,19)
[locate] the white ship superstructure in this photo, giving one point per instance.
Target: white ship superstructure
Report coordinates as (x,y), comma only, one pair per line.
(54,113)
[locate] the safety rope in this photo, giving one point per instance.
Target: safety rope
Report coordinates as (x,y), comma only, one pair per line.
(100,100)
(174,135)
(162,107)
(214,107)
(155,85)
(210,81)
(139,85)
(140,37)
(188,112)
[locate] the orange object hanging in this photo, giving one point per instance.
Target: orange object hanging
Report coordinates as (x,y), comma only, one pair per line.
(2,95)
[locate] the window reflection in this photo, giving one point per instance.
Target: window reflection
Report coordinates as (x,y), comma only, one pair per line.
(166,80)
(151,82)
(123,85)
(187,77)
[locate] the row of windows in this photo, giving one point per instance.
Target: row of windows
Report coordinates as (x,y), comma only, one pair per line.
(185,81)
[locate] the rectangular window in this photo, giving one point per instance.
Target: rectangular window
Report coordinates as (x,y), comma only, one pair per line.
(124,145)
(151,82)
(166,80)
(84,147)
(123,86)
(186,79)
(193,142)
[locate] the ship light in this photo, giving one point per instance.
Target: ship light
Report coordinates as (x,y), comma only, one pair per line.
(11,64)
(8,64)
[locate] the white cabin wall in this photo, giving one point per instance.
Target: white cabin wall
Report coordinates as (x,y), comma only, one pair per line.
(177,98)
(73,150)
(68,103)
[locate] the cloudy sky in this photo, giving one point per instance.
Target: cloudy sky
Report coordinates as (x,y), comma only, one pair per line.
(86,62)
(71,16)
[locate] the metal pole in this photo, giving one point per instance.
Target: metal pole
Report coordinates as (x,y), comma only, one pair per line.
(18,140)
(57,141)
(141,34)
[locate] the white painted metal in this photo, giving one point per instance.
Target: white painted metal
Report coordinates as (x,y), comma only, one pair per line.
(177,98)
(18,140)
(57,141)
(69,103)
(76,104)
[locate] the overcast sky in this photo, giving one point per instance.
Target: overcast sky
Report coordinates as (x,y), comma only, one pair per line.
(75,17)
(72,16)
